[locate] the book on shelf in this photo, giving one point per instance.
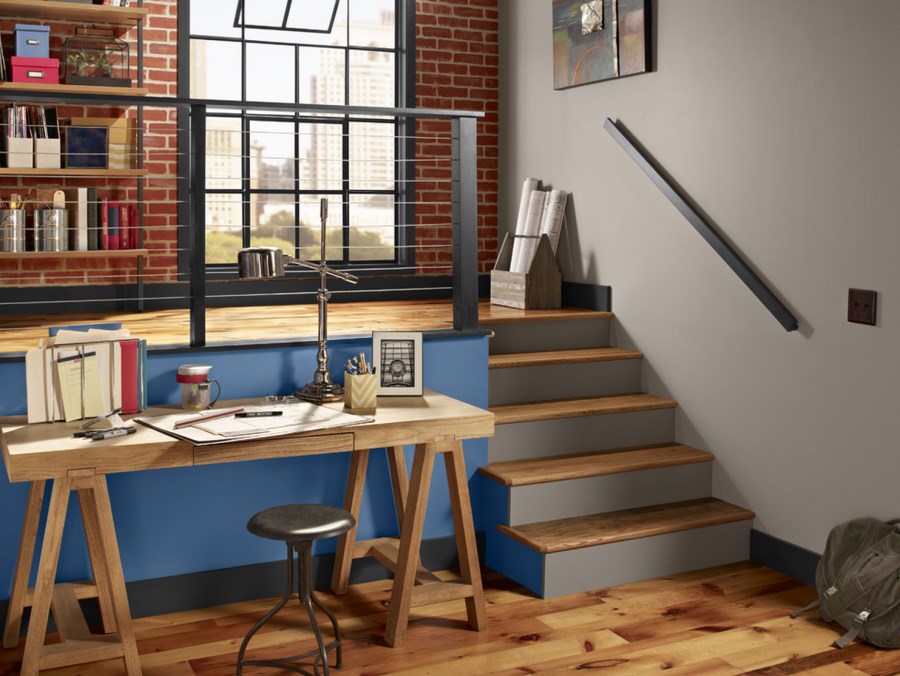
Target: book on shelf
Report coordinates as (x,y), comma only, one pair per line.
(104,223)
(79,225)
(93,219)
(113,212)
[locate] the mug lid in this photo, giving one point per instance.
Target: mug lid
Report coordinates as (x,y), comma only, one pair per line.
(194,369)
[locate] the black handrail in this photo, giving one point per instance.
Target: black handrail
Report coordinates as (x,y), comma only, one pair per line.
(707,232)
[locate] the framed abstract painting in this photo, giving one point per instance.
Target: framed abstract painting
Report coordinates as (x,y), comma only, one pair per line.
(599,40)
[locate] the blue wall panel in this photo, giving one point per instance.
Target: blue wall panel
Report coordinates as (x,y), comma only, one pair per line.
(185,520)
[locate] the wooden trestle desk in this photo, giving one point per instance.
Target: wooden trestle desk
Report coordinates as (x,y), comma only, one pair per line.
(48,452)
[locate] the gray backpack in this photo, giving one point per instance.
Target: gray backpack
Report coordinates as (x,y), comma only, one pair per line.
(858,580)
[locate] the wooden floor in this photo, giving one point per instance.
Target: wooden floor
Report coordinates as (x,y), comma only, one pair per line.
(726,620)
(19,333)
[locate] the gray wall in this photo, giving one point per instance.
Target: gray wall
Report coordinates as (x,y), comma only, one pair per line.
(780,119)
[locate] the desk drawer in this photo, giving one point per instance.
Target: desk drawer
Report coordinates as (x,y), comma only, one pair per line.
(272,447)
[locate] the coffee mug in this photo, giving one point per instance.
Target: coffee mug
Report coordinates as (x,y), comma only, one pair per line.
(195,386)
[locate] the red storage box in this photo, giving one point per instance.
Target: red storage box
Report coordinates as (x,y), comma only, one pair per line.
(29,69)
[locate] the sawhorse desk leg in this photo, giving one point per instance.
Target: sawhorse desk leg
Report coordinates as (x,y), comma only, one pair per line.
(78,645)
(411,500)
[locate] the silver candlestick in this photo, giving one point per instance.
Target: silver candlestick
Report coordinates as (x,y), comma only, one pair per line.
(322,387)
(268,262)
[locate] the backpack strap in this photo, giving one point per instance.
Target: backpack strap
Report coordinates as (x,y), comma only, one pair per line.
(858,623)
(840,600)
(809,606)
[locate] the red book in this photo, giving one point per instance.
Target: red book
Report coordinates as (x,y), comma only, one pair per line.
(133,220)
(124,228)
(129,375)
(104,224)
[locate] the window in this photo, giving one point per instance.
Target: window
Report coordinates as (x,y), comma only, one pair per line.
(267,170)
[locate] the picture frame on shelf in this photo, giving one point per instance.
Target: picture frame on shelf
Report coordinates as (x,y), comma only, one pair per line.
(397,358)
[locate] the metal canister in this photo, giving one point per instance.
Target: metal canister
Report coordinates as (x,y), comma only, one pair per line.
(51,228)
(12,230)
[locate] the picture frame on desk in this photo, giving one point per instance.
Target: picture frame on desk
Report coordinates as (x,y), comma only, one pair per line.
(397,358)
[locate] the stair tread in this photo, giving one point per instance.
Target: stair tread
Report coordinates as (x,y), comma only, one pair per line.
(552,357)
(628,524)
(598,463)
(499,314)
(572,408)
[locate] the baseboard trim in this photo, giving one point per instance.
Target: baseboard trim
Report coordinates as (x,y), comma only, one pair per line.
(784,557)
(206,589)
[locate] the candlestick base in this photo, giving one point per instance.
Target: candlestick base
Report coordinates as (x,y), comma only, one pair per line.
(320,391)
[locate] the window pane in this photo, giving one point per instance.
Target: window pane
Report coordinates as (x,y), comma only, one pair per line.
(222,81)
(269,13)
(372,23)
(224,218)
(323,167)
(306,21)
(371,156)
(270,73)
(214,17)
(322,73)
(223,154)
(372,228)
(271,155)
(311,228)
(372,79)
(274,221)
(315,14)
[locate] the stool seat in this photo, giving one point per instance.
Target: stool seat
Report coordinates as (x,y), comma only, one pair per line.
(300,523)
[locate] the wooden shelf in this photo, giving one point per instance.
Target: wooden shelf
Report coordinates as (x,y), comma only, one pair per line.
(71,11)
(75,173)
(59,255)
(72,89)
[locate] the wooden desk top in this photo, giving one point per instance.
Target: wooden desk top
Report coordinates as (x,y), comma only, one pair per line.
(49,450)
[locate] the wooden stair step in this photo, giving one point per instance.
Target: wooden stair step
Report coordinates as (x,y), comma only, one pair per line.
(500,314)
(598,463)
(555,357)
(628,524)
(573,408)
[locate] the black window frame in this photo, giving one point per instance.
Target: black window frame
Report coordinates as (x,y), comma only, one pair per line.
(404,141)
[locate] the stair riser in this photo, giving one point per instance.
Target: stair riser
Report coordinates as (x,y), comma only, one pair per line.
(563,381)
(557,335)
(592,495)
(617,563)
(580,435)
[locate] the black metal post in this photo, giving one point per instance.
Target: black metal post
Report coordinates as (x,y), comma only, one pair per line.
(465,223)
(197,253)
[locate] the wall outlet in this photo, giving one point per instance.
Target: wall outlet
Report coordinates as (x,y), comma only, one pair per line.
(861,306)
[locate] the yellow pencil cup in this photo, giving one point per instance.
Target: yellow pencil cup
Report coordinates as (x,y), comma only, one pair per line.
(359,392)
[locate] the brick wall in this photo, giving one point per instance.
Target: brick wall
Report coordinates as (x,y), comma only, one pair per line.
(457,68)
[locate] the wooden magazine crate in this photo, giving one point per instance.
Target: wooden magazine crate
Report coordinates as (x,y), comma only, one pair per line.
(538,289)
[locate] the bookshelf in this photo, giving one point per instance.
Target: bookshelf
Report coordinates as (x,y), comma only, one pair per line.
(120,19)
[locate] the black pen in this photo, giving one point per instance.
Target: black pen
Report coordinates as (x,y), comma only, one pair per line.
(117,432)
(257,414)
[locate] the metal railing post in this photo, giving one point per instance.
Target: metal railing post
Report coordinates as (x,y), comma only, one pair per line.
(465,223)
(197,228)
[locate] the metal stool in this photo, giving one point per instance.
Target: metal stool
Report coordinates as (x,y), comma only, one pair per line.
(298,526)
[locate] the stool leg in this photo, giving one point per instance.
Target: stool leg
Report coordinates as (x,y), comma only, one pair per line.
(304,576)
(268,616)
(339,647)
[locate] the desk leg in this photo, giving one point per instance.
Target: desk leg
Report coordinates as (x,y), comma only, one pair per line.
(399,479)
(109,551)
(98,561)
(463,524)
(410,543)
(23,564)
(343,557)
(43,590)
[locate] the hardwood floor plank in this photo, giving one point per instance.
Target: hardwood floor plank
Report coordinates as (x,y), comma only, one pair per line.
(720,621)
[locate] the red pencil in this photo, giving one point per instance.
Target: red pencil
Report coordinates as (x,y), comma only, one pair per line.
(211,416)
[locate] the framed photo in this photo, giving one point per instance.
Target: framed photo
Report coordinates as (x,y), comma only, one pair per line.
(397,357)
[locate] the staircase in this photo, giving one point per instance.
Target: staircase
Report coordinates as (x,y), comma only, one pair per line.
(585,486)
